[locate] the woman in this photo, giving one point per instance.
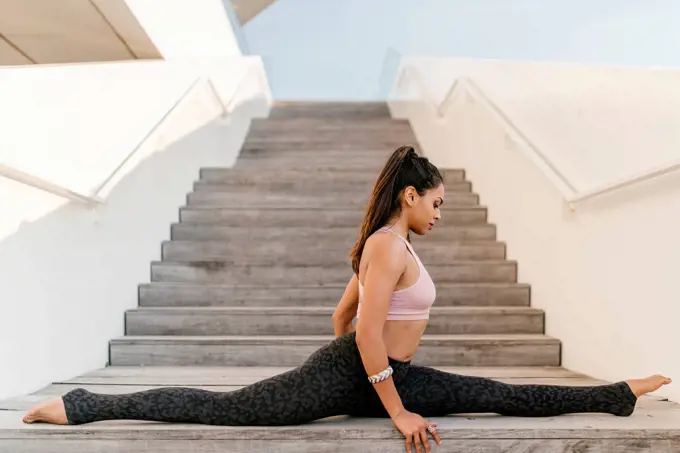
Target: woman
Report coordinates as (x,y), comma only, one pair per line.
(368,372)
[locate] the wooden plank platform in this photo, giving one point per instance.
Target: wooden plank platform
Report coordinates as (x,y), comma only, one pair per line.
(655,425)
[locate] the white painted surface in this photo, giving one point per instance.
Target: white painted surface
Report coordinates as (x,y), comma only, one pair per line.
(67,273)
(127,27)
(596,124)
(187,28)
(64,31)
(68,31)
(605,275)
(349,38)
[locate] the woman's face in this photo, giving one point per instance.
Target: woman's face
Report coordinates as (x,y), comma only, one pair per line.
(424,210)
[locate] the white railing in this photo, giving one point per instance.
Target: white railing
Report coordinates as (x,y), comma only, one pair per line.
(94,199)
(126,159)
(42,184)
(571,195)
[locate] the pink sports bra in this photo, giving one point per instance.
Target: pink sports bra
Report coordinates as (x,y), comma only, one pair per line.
(414,302)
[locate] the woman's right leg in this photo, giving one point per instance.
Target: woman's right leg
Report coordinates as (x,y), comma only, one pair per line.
(431,392)
(325,385)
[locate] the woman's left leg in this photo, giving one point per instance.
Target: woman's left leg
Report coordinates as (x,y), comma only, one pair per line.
(326,384)
(430,392)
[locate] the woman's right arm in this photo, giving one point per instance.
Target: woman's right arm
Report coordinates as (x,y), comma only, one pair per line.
(387,264)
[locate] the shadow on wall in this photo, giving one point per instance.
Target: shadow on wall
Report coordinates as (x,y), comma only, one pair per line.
(67,277)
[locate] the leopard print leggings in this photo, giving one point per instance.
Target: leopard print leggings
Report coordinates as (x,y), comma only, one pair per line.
(333,382)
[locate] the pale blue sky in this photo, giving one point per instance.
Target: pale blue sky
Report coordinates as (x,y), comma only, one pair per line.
(335,48)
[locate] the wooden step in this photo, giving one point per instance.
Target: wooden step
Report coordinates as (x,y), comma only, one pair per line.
(649,431)
(168,294)
(302,217)
(304,186)
(288,350)
(652,428)
(301,251)
(257,176)
(221,272)
(353,110)
(339,130)
(259,155)
(335,158)
(319,201)
(344,135)
(115,379)
(236,375)
(264,152)
(344,237)
(318,321)
(324,145)
(357,125)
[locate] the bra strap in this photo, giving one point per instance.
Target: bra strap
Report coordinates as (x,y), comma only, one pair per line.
(398,235)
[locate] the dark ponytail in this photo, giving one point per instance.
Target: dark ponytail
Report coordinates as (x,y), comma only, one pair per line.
(404,168)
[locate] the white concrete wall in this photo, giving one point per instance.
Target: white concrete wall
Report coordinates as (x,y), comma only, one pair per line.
(606,274)
(187,28)
(349,38)
(68,272)
(596,124)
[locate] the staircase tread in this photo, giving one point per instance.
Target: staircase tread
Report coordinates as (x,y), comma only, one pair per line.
(645,424)
(131,372)
(288,203)
(369,172)
(316,338)
(224,185)
(313,209)
(330,285)
(332,265)
(347,119)
(329,309)
(453,241)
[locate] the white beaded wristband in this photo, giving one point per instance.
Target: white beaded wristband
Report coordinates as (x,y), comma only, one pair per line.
(384,374)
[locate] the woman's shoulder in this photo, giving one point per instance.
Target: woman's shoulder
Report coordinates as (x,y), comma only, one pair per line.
(386,246)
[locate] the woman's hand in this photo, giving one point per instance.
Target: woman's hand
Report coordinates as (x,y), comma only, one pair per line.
(415,429)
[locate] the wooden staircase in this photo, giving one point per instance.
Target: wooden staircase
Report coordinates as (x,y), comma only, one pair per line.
(250,277)
(259,258)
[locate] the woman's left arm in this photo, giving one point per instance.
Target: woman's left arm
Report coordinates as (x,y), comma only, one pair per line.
(347,308)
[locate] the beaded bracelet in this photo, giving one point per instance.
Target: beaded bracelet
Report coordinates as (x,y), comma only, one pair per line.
(384,374)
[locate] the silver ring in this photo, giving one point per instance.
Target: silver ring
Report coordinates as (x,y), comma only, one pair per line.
(431,429)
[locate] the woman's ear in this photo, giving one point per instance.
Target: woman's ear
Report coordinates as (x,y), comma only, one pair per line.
(410,194)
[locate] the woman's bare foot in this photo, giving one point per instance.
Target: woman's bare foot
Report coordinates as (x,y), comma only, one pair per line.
(51,411)
(642,386)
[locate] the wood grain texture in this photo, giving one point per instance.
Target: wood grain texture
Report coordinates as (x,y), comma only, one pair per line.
(335,110)
(303,185)
(299,251)
(304,216)
(226,273)
(315,321)
(336,238)
(644,424)
(351,125)
(345,446)
(460,350)
(286,175)
(308,200)
(202,295)
(196,374)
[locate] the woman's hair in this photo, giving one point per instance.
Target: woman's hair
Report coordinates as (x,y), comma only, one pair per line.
(404,168)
